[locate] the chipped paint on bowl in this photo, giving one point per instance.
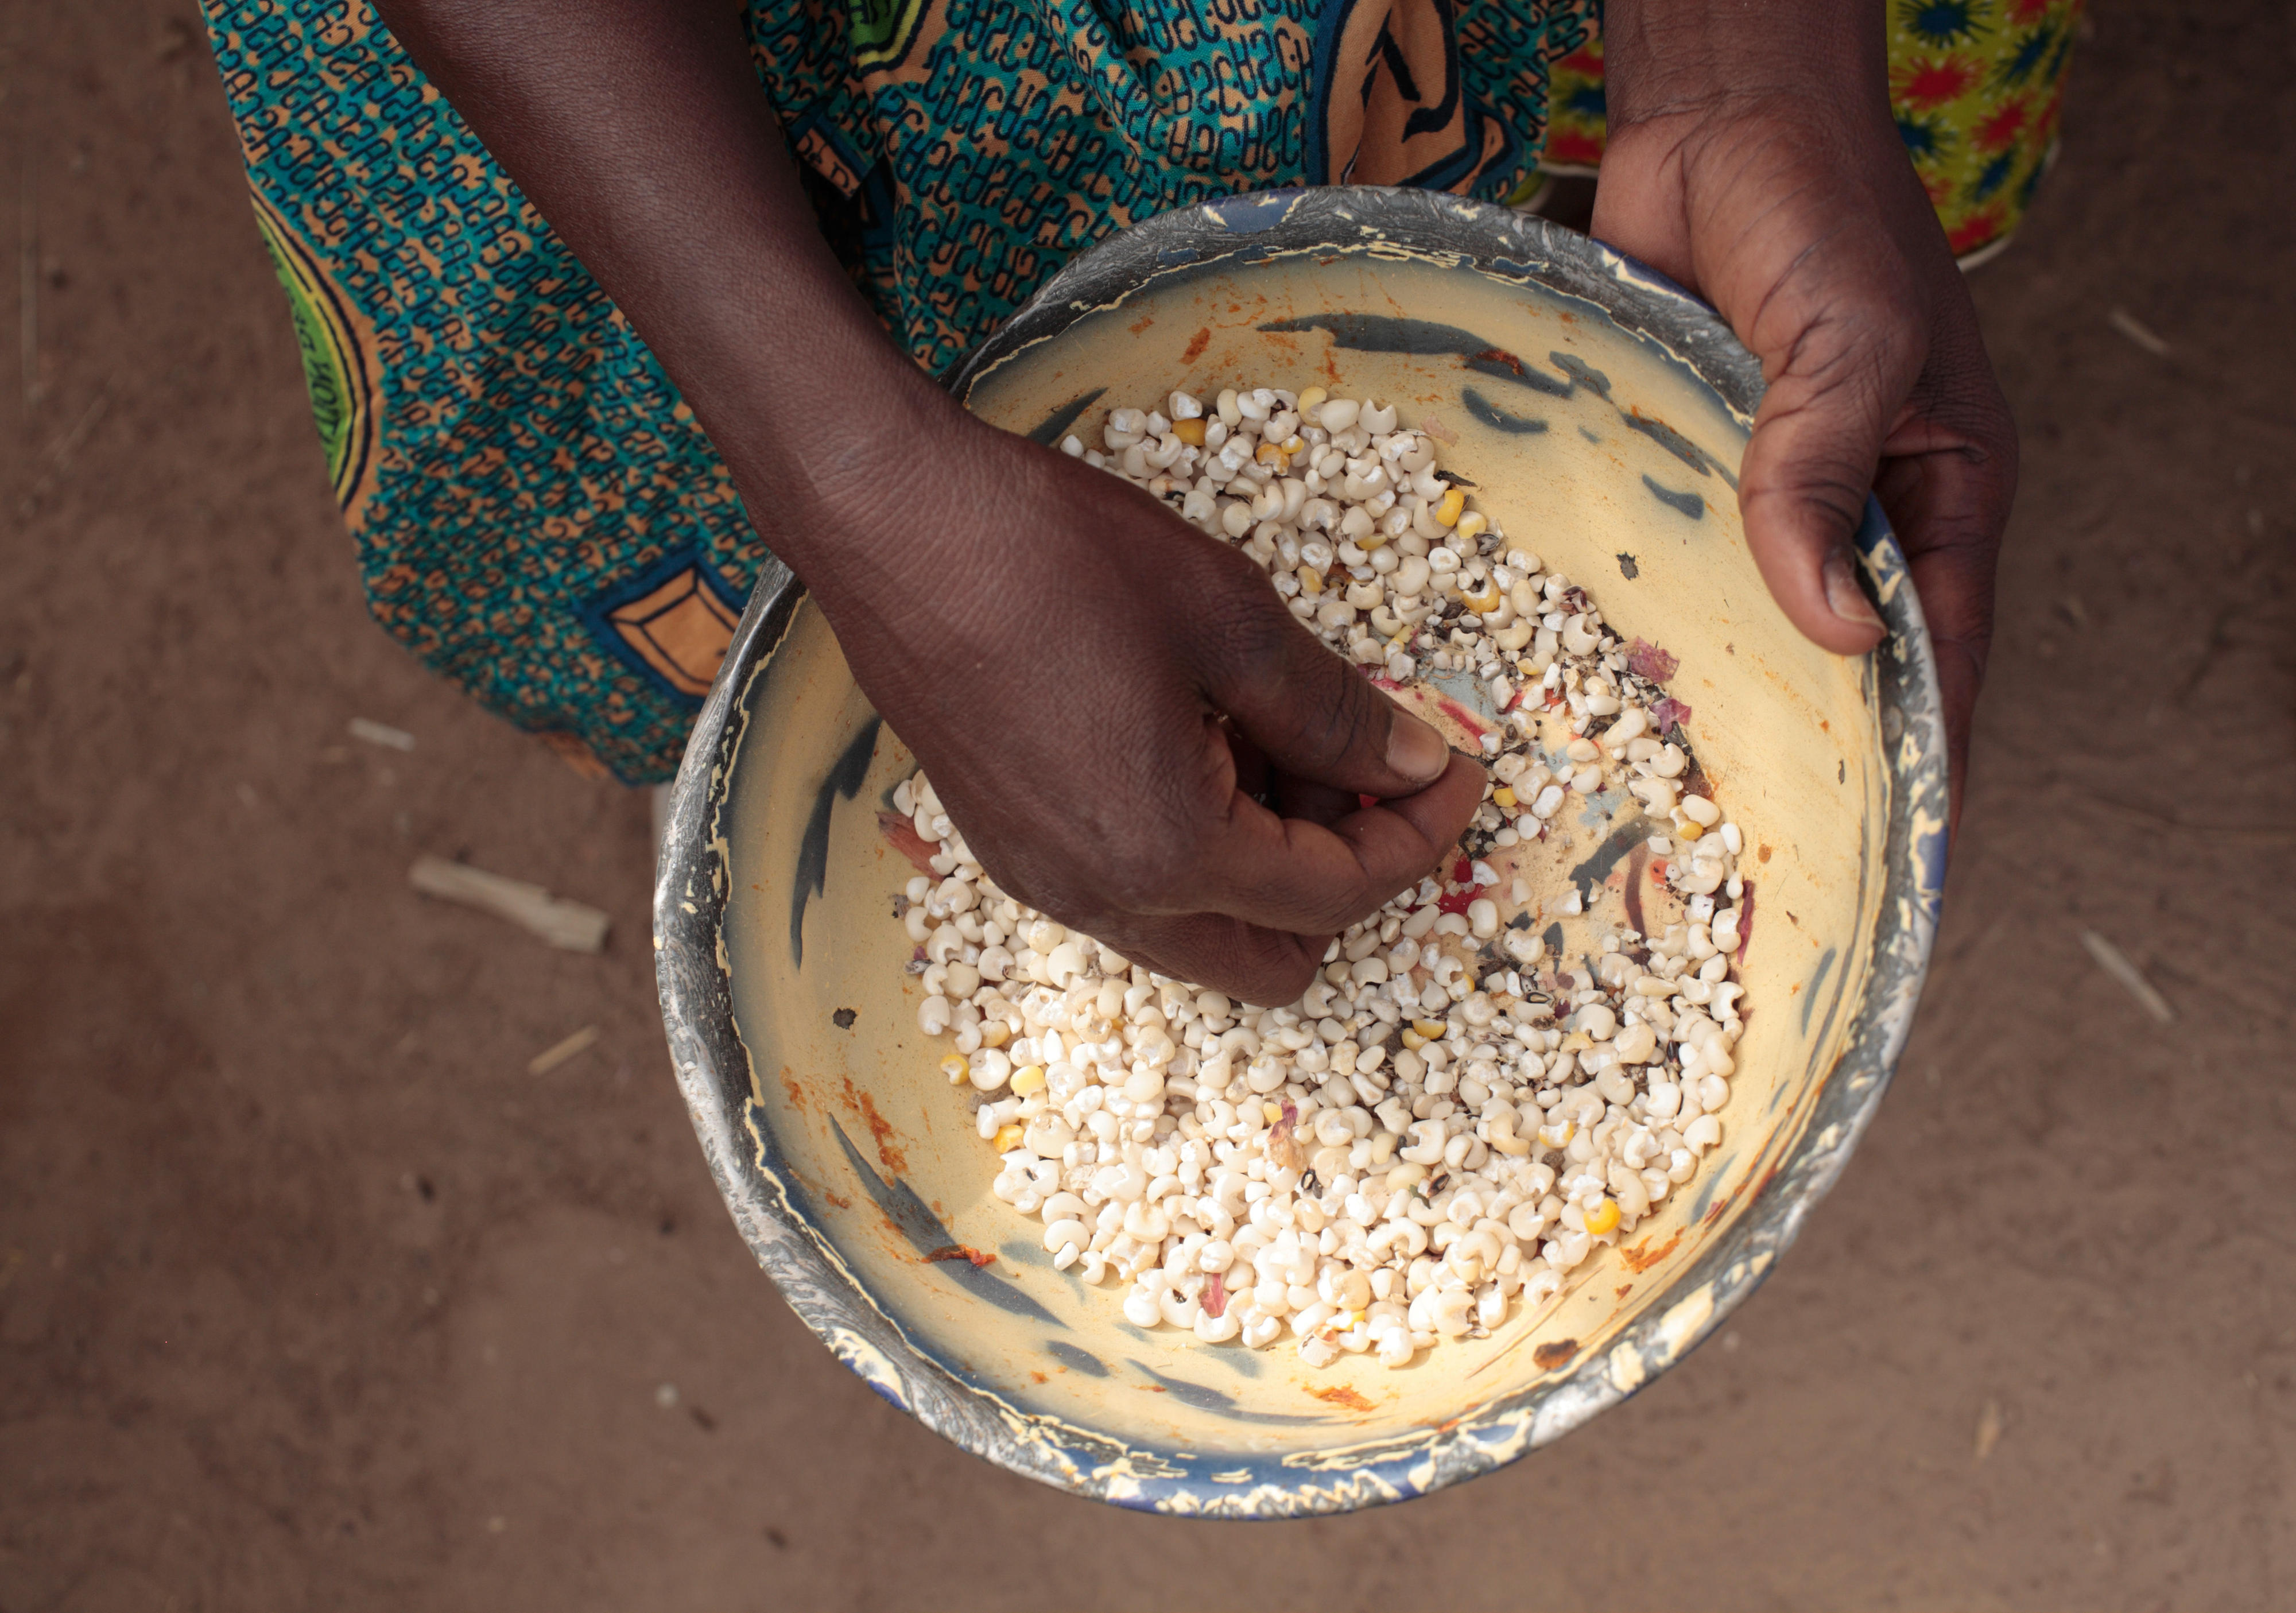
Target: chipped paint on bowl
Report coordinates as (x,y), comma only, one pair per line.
(1603,413)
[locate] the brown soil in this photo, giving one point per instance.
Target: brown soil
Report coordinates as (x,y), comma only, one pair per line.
(311,1295)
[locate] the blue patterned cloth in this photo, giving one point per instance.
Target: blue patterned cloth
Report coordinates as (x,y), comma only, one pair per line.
(536,513)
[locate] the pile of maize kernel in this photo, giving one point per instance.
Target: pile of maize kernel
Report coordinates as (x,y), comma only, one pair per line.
(1457,1114)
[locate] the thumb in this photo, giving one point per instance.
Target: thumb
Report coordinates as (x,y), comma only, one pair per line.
(1807,473)
(1317,716)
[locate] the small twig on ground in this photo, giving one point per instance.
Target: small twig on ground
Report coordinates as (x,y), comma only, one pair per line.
(1988,1429)
(68,445)
(2121,320)
(71,442)
(380,733)
(568,926)
(2115,962)
(550,1058)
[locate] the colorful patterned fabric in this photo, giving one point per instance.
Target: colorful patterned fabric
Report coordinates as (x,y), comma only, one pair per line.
(1977,86)
(534,512)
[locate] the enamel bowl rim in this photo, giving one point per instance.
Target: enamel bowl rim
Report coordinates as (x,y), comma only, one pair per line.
(713,1070)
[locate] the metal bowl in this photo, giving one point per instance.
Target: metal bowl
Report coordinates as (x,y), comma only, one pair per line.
(1603,413)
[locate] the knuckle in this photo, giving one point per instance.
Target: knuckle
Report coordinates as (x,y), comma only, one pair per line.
(1300,694)
(1831,486)
(1338,719)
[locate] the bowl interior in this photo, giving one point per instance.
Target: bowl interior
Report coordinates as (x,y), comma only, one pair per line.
(1617,461)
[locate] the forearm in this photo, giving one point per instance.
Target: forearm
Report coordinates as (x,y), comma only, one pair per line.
(1664,58)
(637,128)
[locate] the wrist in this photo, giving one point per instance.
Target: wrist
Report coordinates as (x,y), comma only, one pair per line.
(818,414)
(1671,60)
(832,417)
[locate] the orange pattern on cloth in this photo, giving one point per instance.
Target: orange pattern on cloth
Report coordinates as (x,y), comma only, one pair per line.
(1396,107)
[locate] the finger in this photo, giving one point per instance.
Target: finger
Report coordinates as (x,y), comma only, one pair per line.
(1253,776)
(1948,507)
(1313,713)
(1294,797)
(1309,879)
(1802,491)
(1267,968)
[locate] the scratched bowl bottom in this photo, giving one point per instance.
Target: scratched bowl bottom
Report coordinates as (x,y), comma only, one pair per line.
(848,1160)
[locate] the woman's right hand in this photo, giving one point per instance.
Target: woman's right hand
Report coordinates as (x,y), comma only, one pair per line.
(1092,686)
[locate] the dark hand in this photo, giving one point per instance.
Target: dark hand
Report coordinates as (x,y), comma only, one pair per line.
(1752,157)
(1098,690)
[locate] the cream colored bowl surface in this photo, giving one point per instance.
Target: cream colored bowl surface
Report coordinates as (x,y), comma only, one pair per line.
(1601,415)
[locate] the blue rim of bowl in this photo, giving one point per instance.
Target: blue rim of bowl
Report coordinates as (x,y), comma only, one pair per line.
(713,1068)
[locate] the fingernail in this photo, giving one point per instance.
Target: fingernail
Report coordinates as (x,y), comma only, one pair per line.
(1414,750)
(1843,594)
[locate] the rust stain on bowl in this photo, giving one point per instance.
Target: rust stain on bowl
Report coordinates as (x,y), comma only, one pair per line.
(889,1154)
(1642,1256)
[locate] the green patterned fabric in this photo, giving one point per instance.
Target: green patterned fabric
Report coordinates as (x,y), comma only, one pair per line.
(536,513)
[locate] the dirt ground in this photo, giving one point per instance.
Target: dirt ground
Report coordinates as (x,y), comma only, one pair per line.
(312,1297)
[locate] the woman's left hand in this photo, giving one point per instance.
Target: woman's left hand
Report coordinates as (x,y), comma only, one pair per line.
(1752,156)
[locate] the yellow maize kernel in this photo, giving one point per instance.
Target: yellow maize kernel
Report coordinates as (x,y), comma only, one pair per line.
(1448,511)
(1503,798)
(1311,581)
(1027,1079)
(1372,540)
(1008,1138)
(1433,1030)
(1578,1041)
(1526,668)
(1270,453)
(995,1033)
(1189,432)
(954,1068)
(1313,397)
(1293,444)
(1473,524)
(1603,1217)
(1487,600)
(1690,830)
(1272,1111)
(1556,1135)
(1412,1039)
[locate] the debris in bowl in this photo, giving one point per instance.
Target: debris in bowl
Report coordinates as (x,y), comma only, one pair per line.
(961,1251)
(1501,1072)
(843,1019)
